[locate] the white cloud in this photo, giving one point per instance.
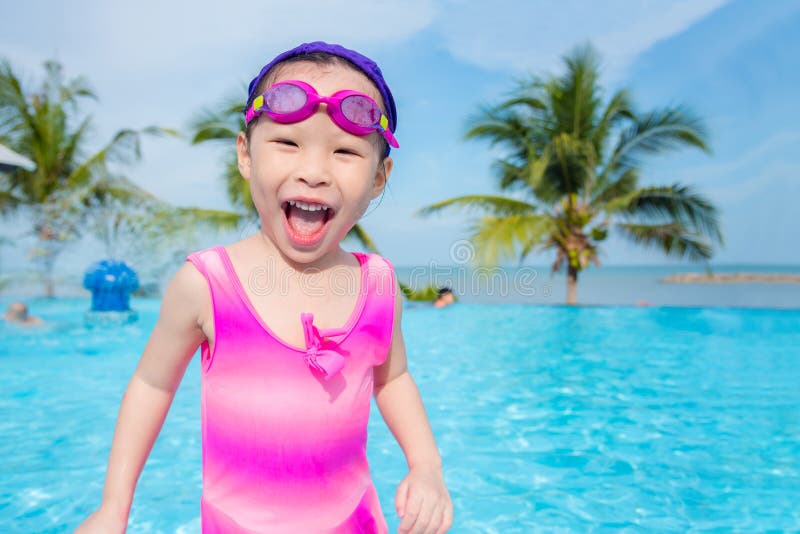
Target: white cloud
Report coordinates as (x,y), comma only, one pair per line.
(138,45)
(769,166)
(777,149)
(533,36)
(155,33)
(774,179)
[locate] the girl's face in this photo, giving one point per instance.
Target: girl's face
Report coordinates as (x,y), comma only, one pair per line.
(315,163)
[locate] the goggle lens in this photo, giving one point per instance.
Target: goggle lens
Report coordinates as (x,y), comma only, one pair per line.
(361,110)
(285,98)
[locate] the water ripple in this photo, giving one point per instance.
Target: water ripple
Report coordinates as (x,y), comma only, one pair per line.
(548,419)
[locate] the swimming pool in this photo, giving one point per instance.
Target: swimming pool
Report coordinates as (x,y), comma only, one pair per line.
(548,419)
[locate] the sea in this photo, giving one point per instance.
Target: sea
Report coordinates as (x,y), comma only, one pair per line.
(618,285)
(633,285)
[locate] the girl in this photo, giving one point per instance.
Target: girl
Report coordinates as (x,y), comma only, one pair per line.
(296,334)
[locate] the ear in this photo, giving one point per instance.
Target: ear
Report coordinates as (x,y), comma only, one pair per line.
(243,155)
(382,174)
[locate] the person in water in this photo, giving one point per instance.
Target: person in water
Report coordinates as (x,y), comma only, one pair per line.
(445,297)
(17,312)
(296,334)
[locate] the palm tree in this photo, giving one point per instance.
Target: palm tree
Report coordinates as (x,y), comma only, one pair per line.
(68,188)
(574,163)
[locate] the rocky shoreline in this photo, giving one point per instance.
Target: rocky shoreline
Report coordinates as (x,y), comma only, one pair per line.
(732,278)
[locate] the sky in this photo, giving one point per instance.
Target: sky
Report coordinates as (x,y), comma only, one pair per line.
(732,62)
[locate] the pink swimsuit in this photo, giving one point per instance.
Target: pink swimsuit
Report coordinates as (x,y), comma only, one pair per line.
(285,428)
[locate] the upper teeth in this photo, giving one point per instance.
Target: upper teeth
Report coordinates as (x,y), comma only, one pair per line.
(306,206)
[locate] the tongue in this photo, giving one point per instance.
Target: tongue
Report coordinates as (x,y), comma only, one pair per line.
(306,222)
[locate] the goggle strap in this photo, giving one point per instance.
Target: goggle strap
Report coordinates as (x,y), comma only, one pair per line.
(390,138)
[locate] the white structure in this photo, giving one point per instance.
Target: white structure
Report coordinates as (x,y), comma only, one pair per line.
(9,160)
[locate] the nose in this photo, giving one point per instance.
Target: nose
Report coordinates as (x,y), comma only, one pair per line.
(312,170)
(313,180)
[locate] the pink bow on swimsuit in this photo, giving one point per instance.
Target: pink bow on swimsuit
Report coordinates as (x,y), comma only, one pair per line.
(327,361)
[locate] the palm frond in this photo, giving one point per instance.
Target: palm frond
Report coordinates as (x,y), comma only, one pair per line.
(575,95)
(569,170)
(498,238)
(537,166)
(499,127)
(497,205)
(658,132)
(120,147)
(672,239)
(70,151)
(77,87)
(533,103)
(538,235)
(160,131)
(671,204)
(119,189)
(358,233)
(15,112)
(217,219)
(220,124)
(607,191)
(214,131)
(617,110)
(509,174)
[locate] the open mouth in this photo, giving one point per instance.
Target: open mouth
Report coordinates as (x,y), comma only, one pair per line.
(306,222)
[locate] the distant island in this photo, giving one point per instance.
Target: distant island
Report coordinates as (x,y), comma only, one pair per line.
(732,278)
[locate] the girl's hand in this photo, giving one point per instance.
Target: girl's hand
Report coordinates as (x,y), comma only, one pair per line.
(103,521)
(423,502)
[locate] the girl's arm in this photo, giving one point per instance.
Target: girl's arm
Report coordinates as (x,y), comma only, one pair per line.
(149,394)
(422,498)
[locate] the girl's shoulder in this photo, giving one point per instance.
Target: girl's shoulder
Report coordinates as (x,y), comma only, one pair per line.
(188,282)
(185,299)
(376,258)
(199,255)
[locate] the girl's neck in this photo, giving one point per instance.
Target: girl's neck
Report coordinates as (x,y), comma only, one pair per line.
(333,259)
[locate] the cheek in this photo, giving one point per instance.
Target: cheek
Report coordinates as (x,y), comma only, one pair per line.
(261,193)
(257,196)
(361,210)
(366,198)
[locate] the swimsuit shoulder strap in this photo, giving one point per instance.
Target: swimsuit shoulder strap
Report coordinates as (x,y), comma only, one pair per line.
(378,311)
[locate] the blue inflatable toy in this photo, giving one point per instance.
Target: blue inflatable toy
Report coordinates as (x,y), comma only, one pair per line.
(111,283)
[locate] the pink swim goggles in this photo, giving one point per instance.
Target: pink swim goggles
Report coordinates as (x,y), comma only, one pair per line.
(294,101)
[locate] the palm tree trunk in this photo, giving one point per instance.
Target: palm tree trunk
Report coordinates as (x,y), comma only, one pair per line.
(572,285)
(49,278)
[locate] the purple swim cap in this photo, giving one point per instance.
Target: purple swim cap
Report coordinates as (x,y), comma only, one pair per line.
(364,64)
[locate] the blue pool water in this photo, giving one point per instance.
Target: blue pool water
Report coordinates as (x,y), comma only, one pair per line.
(548,419)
